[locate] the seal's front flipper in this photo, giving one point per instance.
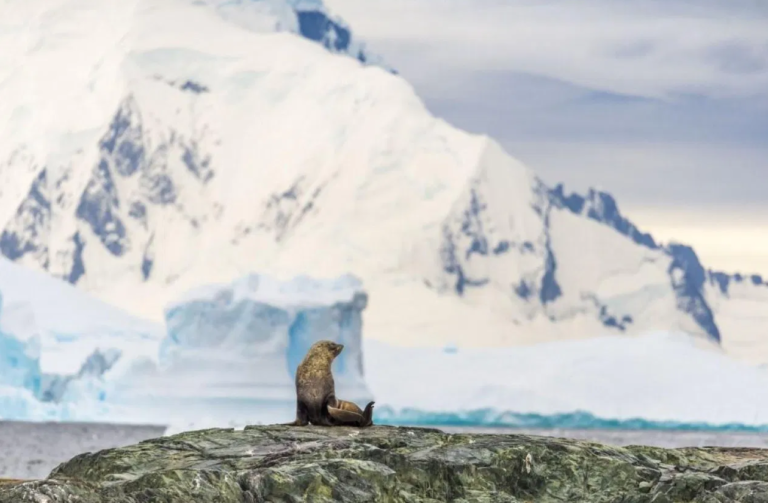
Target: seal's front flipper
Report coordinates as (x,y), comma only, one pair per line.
(296,422)
(302,418)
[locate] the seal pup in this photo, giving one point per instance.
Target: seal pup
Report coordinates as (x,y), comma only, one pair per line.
(316,401)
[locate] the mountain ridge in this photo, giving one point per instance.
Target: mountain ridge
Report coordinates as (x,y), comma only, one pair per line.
(199,149)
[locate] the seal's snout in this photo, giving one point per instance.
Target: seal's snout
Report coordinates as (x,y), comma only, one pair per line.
(339,348)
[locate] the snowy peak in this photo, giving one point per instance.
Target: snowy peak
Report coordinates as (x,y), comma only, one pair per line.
(571,258)
(689,278)
(686,273)
(601,207)
(134,172)
(263,151)
(307,18)
(486,223)
(28,232)
(724,281)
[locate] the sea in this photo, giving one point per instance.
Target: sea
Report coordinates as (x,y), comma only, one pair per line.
(32,450)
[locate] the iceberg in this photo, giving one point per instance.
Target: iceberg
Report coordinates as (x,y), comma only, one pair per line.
(28,393)
(57,345)
(228,354)
(260,317)
(234,349)
(68,323)
(19,360)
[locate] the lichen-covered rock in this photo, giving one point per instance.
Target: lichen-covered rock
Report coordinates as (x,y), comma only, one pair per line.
(386,464)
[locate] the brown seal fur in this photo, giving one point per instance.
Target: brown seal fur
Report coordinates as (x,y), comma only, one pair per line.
(316,401)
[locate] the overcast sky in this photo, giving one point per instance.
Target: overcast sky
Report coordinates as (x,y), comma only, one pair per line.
(663,103)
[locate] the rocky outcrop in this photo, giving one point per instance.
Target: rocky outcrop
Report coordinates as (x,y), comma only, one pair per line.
(387,464)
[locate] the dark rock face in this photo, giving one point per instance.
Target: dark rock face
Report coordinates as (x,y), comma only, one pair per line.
(386,464)
(28,231)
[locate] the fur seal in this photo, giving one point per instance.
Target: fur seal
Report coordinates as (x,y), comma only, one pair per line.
(316,401)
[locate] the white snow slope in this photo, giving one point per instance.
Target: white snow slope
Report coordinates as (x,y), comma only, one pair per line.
(152,146)
(66,324)
(657,380)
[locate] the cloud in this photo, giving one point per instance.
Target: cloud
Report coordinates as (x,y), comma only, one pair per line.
(664,103)
(695,178)
(513,106)
(648,48)
(657,100)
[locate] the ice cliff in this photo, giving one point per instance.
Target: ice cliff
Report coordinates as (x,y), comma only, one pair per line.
(248,337)
(259,317)
(56,344)
(230,351)
(23,381)
(228,354)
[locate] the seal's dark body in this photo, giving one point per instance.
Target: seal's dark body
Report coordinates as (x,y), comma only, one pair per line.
(316,401)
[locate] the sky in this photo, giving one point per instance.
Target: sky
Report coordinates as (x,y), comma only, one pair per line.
(663,103)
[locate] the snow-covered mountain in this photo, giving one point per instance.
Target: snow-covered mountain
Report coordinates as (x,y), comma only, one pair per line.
(149,147)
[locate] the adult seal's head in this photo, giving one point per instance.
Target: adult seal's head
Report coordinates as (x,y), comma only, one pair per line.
(323,352)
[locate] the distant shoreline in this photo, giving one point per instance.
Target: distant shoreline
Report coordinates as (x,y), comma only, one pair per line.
(639,426)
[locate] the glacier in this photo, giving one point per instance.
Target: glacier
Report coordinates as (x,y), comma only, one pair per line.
(57,344)
(246,339)
(229,348)
(66,323)
(228,353)
(234,348)
(152,161)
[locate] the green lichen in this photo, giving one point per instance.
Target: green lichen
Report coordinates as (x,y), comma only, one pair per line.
(395,465)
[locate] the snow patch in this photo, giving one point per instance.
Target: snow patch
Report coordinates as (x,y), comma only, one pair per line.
(661,378)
